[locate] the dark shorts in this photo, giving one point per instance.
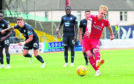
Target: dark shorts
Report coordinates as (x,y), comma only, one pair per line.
(5,43)
(32,45)
(68,41)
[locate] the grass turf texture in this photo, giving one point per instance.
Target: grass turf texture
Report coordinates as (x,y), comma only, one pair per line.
(117,69)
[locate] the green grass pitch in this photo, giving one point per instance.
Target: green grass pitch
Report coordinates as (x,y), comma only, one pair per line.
(117,69)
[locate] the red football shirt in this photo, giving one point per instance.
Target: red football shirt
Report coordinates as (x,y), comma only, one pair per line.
(97,26)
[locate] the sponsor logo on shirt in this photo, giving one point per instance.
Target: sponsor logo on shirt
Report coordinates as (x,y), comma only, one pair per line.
(97,27)
(84,23)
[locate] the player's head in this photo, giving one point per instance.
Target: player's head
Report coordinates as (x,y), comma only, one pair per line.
(20,21)
(1,16)
(103,9)
(68,10)
(87,14)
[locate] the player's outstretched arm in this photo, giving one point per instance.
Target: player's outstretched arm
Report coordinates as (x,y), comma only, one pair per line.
(111,32)
(7,29)
(3,38)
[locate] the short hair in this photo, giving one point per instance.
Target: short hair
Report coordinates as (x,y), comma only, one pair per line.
(104,7)
(68,7)
(19,18)
(87,11)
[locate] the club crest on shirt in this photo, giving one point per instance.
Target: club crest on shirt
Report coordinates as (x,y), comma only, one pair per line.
(24,30)
(71,18)
(94,22)
(102,24)
(64,18)
(90,19)
(3,25)
(84,23)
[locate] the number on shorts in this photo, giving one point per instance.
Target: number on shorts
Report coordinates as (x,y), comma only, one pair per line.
(35,45)
(6,41)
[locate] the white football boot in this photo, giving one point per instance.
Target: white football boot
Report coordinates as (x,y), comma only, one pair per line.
(71,64)
(1,66)
(8,66)
(98,73)
(43,65)
(66,64)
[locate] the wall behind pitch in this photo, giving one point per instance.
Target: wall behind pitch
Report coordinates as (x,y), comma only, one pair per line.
(117,43)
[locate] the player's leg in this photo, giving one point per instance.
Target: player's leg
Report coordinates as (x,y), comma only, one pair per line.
(93,62)
(65,44)
(26,54)
(96,54)
(26,49)
(6,45)
(7,57)
(72,44)
(72,55)
(99,61)
(95,46)
(86,57)
(66,55)
(39,58)
(36,53)
(1,58)
(86,44)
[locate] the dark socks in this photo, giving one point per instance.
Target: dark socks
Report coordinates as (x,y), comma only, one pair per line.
(86,58)
(72,59)
(8,58)
(28,55)
(66,59)
(40,58)
(72,55)
(1,59)
(66,54)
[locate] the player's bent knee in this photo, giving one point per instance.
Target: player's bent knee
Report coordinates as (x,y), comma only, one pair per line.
(95,50)
(89,54)
(24,54)
(36,55)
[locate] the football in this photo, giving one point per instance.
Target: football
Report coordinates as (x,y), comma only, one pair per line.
(82,70)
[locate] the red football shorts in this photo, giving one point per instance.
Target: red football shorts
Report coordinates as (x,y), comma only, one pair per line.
(89,43)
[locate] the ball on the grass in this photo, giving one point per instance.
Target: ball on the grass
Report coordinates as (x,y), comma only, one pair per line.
(82,70)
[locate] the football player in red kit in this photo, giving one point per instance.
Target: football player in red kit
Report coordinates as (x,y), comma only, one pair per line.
(95,25)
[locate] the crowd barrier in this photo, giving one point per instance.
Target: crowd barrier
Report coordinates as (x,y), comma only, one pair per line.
(58,46)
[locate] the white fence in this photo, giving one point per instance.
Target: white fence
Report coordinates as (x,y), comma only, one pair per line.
(117,43)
